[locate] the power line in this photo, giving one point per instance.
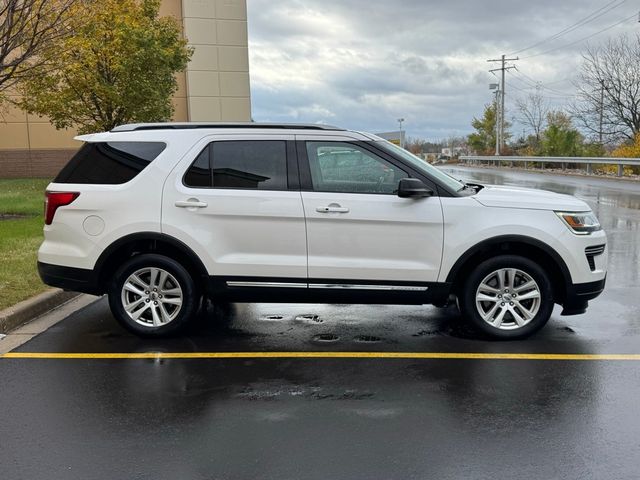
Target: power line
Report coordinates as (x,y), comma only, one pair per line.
(589,18)
(540,84)
(584,38)
(551,96)
(558,81)
(527,80)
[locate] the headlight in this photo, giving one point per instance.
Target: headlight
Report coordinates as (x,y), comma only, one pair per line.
(582,223)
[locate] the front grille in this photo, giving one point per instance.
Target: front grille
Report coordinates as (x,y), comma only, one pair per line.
(591,253)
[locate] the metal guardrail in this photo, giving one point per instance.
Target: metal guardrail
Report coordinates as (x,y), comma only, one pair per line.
(588,161)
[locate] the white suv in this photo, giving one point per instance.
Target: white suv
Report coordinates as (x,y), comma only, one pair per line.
(160,215)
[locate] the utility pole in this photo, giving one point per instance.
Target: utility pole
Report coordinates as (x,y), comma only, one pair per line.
(601,111)
(503,68)
(400,120)
(496,87)
(497,123)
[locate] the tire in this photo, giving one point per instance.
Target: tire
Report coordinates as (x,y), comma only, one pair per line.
(515,309)
(148,312)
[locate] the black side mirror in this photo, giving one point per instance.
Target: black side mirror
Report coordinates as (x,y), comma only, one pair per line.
(413,188)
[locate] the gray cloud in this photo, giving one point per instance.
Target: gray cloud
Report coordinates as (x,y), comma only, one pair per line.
(362,64)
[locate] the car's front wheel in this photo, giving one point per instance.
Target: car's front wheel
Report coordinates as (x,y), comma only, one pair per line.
(507,297)
(153,295)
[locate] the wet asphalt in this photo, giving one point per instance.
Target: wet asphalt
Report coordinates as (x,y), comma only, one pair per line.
(356,418)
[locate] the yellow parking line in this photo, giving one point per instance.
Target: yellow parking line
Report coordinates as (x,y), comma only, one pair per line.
(405,355)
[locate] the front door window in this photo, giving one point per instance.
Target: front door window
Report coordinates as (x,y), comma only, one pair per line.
(347,168)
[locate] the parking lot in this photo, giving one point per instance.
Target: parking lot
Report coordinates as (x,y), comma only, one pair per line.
(266,390)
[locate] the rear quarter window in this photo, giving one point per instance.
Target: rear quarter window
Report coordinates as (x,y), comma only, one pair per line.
(109,163)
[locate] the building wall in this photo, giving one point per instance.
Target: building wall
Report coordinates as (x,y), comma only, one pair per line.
(215,87)
(217,78)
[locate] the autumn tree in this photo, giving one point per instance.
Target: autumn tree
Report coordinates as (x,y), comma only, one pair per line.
(117,66)
(608,102)
(483,140)
(628,149)
(415,145)
(27,29)
(561,138)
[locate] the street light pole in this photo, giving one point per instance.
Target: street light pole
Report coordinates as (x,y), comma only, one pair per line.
(400,120)
(496,87)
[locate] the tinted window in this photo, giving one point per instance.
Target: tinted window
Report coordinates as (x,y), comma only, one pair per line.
(343,167)
(199,173)
(109,162)
(255,164)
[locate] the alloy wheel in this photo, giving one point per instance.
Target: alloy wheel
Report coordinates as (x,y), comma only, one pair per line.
(151,297)
(508,299)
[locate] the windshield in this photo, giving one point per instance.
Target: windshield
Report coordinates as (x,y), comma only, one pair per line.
(451,183)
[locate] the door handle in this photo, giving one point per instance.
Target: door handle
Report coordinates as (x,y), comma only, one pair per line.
(332,208)
(191,203)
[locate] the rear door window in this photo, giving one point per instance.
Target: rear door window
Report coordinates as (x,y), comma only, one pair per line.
(199,173)
(241,164)
(109,163)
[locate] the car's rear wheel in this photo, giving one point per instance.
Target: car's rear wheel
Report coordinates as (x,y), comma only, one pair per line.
(153,295)
(507,297)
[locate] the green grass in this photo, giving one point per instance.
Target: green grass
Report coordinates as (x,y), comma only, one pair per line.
(22,196)
(20,239)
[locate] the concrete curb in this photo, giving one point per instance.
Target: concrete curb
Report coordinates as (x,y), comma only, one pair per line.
(32,308)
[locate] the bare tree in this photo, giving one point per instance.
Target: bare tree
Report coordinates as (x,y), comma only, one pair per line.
(608,102)
(26,28)
(532,112)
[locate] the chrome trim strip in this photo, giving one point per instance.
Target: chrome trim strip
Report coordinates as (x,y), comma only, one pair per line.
(349,286)
(339,286)
(267,284)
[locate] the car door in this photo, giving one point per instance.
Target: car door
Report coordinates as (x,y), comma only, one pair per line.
(236,203)
(358,229)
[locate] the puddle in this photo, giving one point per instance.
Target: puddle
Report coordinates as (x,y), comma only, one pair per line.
(566,329)
(367,339)
(461,330)
(309,318)
(272,317)
(326,338)
(426,333)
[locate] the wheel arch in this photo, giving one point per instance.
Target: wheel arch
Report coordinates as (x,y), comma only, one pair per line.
(149,242)
(527,247)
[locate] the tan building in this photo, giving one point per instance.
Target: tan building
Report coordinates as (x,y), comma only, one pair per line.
(215,87)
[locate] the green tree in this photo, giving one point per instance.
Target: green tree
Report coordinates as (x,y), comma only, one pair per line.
(117,66)
(483,140)
(561,138)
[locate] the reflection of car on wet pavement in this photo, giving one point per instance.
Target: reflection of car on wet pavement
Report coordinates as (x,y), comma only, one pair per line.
(160,215)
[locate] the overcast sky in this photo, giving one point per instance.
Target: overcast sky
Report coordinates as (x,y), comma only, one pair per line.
(362,64)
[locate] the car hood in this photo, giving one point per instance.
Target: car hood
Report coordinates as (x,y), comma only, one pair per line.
(528,198)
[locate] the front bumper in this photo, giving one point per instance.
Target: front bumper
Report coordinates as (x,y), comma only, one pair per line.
(578,295)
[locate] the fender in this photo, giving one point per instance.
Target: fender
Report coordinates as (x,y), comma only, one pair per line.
(502,239)
(154,237)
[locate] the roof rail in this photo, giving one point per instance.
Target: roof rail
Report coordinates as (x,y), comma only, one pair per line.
(193,125)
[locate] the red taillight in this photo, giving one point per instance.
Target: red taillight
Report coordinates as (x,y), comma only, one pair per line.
(53,200)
